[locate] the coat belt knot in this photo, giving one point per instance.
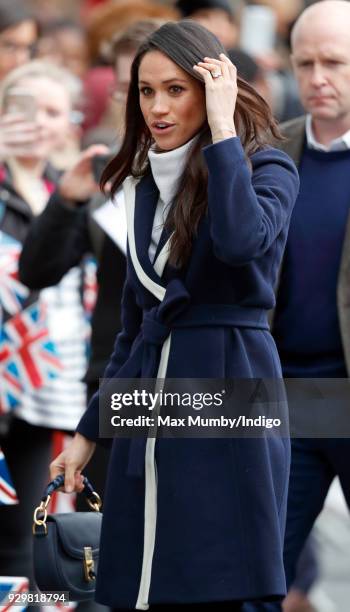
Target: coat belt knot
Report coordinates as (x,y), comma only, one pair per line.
(153,331)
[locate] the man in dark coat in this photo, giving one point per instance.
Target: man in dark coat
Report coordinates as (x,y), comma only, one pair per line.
(311,323)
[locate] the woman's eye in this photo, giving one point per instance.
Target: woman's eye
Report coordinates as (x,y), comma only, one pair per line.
(146,91)
(176,89)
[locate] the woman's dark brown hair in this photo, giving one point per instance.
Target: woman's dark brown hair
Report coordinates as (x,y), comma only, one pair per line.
(186,43)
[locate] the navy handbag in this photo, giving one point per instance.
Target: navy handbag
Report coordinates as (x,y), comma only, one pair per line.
(66,545)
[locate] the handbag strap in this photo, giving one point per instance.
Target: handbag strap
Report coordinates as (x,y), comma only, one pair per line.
(40,513)
(59,482)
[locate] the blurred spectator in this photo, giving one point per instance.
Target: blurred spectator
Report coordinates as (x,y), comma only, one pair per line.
(98,83)
(106,22)
(18,35)
(115,16)
(48,10)
(216,15)
(63,42)
(51,394)
(120,53)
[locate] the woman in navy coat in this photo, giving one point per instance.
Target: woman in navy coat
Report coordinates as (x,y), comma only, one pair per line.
(194,522)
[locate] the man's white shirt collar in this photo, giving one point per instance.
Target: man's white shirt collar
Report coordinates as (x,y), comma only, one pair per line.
(338,144)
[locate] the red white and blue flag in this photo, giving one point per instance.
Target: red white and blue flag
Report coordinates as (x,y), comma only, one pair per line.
(8,496)
(13,585)
(90,286)
(12,292)
(28,359)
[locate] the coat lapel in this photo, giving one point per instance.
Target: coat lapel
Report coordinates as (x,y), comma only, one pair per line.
(140,203)
(142,197)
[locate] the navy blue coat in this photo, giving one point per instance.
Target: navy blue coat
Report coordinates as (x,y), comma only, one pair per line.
(199,520)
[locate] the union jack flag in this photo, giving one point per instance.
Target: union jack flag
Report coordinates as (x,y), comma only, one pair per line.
(28,358)
(8,494)
(12,292)
(90,286)
(13,585)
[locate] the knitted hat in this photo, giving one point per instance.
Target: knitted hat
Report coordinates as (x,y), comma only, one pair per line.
(188,7)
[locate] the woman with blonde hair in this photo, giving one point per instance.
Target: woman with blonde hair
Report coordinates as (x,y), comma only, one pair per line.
(47,391)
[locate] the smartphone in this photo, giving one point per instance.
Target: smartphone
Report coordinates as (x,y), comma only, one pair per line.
(98,163)
(20,101)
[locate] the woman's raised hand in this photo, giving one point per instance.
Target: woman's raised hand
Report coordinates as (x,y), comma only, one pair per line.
(18,136)
(79,183)
(220,78)
(72,461)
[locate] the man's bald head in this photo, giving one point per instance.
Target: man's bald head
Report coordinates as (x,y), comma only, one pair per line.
(321,60)
(330,14)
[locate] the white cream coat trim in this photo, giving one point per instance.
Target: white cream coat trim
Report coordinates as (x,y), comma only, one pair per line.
(162,258)
(129,186)
(150,520)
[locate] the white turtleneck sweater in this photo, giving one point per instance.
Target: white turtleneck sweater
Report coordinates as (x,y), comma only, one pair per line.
(167,168)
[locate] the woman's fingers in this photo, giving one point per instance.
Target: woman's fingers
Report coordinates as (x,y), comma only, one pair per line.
(69,477)
(72,461)
(211,65)
(217,65)
(72,476)
(227,67)
(205,74)
(232,68)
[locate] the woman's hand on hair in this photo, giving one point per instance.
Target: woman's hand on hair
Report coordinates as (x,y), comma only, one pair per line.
(18,136)
(220,94)
(78,184)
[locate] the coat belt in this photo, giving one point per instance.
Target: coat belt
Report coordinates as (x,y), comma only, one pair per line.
(175,311)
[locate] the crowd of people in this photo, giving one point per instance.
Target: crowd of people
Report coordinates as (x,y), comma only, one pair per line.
(217,248)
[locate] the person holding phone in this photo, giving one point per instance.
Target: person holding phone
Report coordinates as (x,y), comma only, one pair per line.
(43,95)
(193,523)
(18,36)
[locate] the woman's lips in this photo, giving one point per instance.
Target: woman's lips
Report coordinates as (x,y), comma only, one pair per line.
(157,129)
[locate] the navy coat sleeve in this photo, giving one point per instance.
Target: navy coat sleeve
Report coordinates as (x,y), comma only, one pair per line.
(131,323)
(247,207)
(57,240)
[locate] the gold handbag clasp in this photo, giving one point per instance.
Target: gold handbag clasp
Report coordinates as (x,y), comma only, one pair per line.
(40,516)
(89,565)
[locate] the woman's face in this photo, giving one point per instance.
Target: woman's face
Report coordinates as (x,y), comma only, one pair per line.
(172,102)
(16,46)
(52,114)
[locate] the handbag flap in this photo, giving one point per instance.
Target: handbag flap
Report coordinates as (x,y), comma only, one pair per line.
(76,530)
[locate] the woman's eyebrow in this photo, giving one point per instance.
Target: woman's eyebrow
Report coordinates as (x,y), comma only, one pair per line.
(178,80)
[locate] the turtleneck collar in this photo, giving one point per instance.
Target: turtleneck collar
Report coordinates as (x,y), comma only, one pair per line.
(167,168)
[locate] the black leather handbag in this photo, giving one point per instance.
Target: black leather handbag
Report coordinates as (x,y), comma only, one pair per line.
(66,545)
